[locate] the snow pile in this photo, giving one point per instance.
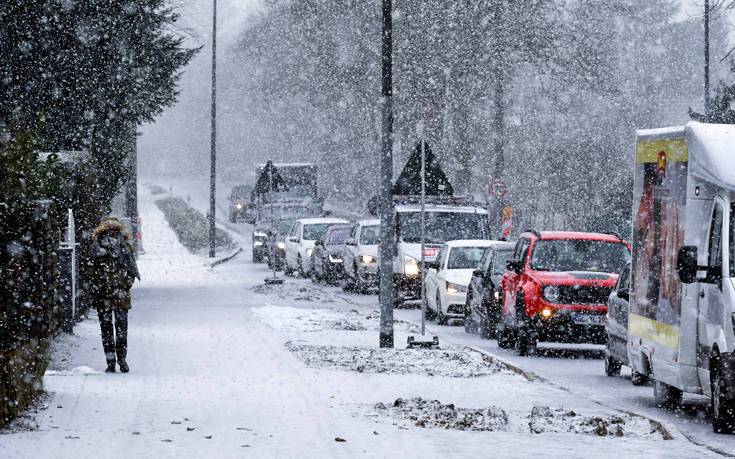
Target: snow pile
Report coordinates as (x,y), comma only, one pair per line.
(314,320)
(454,363)
(432,413)
(544,419)
(296,292)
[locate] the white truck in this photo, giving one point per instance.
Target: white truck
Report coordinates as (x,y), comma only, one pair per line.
(681,322)
(447,218)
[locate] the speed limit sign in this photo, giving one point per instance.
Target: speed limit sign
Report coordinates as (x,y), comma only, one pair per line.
(498,189)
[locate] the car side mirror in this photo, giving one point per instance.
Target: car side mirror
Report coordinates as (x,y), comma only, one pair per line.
(624,294)
(686,264)
(478,273)
(515,266)
(318,244)
(293,239)
(351,242)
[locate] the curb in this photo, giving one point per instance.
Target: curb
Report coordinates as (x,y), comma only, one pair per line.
(227,258)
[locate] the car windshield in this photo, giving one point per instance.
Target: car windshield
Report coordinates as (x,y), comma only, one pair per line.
(579,255)
(284,226)
(500,260)
(338,236)
(465,257)
(442,226)
(315,231)
(370,235)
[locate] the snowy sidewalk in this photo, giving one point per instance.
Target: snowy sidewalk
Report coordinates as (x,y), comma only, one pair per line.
(212,376)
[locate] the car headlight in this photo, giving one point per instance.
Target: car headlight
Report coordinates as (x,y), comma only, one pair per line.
(455,288)
(238,206)
(281,245)
(260,234)
(551,293)
(257,243)
(410,266)
(334,259)
(309,252)
(497,295)
(367,259)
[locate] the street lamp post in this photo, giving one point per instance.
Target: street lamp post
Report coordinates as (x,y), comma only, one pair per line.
(706,62)
(213,140)
(387,228)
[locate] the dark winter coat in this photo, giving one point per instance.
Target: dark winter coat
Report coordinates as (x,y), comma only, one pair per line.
(113,266)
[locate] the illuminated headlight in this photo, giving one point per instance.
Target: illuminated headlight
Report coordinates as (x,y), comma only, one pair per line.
(410,266)
(260,234)
(281,245)
(497,295)
(367,259)
(546,313)
(309,252)
(257,244)
(334,259)
(455,288)
(238,206)
(551,293)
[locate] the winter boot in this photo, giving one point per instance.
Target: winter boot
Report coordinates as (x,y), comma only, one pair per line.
(123,366)
(110,366)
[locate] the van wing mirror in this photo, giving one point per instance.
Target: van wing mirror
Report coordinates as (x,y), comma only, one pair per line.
(624,294)
(686,264)
(431,265)
(351,241)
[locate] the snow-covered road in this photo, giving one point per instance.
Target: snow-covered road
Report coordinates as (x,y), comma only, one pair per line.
(211,376)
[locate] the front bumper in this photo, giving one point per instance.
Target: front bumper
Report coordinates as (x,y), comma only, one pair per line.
(455,304)
(568,326)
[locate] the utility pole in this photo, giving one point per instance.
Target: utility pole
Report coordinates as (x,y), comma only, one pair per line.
(213,140)
(387,227)
(706,61)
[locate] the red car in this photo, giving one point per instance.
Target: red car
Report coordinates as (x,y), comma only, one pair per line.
(556,288)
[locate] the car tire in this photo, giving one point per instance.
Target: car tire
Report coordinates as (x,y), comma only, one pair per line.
(287,270)
(300,267)
(470,326)
(612,366)
(430,313)
(723,409)
(638,379)
(489,325)
(525,343)
(440,317)
(505,337)
(666,396)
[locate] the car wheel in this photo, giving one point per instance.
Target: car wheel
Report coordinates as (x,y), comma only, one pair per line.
(287,270)
(723,409)
(638,379)
(440,317)
(300,267)
(430,314)
(612,366)
(470,325)
(505,337)
(666,396)
(525,342)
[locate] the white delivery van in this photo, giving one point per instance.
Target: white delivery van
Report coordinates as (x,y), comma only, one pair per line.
(681,320)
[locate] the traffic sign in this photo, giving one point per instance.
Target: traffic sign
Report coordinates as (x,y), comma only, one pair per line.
(498,189)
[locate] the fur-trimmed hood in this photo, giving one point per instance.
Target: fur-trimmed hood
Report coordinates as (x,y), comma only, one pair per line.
(111,224)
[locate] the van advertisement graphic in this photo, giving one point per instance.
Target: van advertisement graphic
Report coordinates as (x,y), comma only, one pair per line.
(658,233)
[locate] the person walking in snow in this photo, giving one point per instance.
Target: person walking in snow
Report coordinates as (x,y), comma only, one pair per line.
(112,275)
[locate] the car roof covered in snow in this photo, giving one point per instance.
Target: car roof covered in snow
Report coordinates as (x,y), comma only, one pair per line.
(369,222)
(710,149)
(440,208)
(319,220)
(469,243)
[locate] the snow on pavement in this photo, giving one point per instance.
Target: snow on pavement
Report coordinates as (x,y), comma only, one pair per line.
(209,378)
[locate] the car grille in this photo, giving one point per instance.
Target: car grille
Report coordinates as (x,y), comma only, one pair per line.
(583,294)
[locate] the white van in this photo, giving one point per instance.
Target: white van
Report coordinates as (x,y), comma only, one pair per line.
(681,321)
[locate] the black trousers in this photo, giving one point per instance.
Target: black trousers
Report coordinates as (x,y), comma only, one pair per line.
(114,344)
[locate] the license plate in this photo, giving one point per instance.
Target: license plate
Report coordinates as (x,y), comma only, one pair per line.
(431,252)
(587,319)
